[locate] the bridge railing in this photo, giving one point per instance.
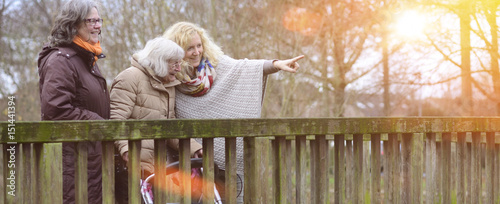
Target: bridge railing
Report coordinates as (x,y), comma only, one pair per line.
(292,160)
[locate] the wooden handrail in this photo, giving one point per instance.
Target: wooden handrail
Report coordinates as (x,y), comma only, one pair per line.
(408,144)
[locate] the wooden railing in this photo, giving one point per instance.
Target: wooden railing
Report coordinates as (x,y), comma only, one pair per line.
(295,160)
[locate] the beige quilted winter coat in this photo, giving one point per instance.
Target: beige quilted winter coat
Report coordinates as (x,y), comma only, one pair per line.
(136,93)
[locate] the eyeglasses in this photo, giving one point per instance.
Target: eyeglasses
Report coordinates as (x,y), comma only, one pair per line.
(92,21)
(176,64)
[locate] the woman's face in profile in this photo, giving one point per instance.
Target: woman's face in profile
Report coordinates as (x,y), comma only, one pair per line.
(89,30)
(194,51)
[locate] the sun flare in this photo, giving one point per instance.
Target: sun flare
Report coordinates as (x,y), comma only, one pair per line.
(411,24)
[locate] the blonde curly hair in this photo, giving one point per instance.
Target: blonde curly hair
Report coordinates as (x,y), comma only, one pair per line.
(182,33)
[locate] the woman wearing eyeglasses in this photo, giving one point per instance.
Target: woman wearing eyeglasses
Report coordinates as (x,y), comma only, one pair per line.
(72,87)
(146,90)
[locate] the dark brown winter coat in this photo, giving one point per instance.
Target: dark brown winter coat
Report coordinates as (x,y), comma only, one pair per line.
(72,88)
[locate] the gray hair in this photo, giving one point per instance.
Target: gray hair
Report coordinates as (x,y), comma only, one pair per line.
(69,19)
(157,53)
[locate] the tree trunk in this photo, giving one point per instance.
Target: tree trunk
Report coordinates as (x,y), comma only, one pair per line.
(385,63)
(495,72)
(465,30)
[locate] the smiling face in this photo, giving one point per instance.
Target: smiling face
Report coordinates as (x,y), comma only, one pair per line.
(89,32)
(174,66)
(194,51)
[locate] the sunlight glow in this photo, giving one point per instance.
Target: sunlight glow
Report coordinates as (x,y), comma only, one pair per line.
(411,24)
(302,20)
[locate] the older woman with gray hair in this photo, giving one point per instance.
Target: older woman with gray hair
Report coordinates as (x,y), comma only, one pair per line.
(146,90)
(72,87)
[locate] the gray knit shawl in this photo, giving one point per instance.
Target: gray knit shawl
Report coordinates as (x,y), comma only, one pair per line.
(236,93)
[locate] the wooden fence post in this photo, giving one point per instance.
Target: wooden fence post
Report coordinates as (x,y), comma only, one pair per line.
(81,175)
(375,168)
(349,178)
(160,161)
(406,168)
(208,171)
(339,169)
(490,167)
(108,172)
(461,166)
(321,179)
(301,159)
(475,168)
(280,180)
(358,168)
(446,167)
(134,171)
(231,182)
(26,178)
(417,164)
(185,170)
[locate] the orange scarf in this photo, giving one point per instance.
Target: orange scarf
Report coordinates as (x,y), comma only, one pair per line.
(96,49)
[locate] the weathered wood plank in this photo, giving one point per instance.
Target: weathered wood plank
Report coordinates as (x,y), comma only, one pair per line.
(47,172)
(14,173)
(70,131)
(81,176)
(52,170)
(208,171)
(134,171)
(349,160)
(301,165)
(37,171)
(497,173)
(430,177)
(393,166)
(280,180)
(375,169)
(185,170)
(3,174)
(406,168)
(288,161)
(263,148)
(25,178)
(358,196)
(417,163)
(251,171)
(321,176)
(468,170)
(160,169)
(287,127)
(475,168)
(366,168)
(312,164)
(339,176)
(231,187)
(461,166)
(108,172)
(446,167)
(490,167)
(438,172)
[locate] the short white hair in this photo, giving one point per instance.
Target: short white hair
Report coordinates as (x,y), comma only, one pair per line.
(157,53)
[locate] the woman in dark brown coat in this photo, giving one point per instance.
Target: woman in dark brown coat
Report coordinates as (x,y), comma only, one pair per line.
(72,87)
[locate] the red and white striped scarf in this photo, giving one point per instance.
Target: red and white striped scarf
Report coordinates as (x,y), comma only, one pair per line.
(200,85)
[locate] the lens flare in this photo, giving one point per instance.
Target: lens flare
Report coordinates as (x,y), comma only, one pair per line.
(301,20)
(411,24)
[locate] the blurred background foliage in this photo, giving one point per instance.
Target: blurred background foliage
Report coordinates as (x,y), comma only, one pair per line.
(363,57)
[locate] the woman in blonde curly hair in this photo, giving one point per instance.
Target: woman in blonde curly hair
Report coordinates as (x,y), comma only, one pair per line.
(216,86)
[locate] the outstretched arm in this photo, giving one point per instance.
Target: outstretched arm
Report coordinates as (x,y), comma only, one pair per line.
(289,65)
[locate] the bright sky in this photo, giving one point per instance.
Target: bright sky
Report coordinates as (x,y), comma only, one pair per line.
(410,24)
